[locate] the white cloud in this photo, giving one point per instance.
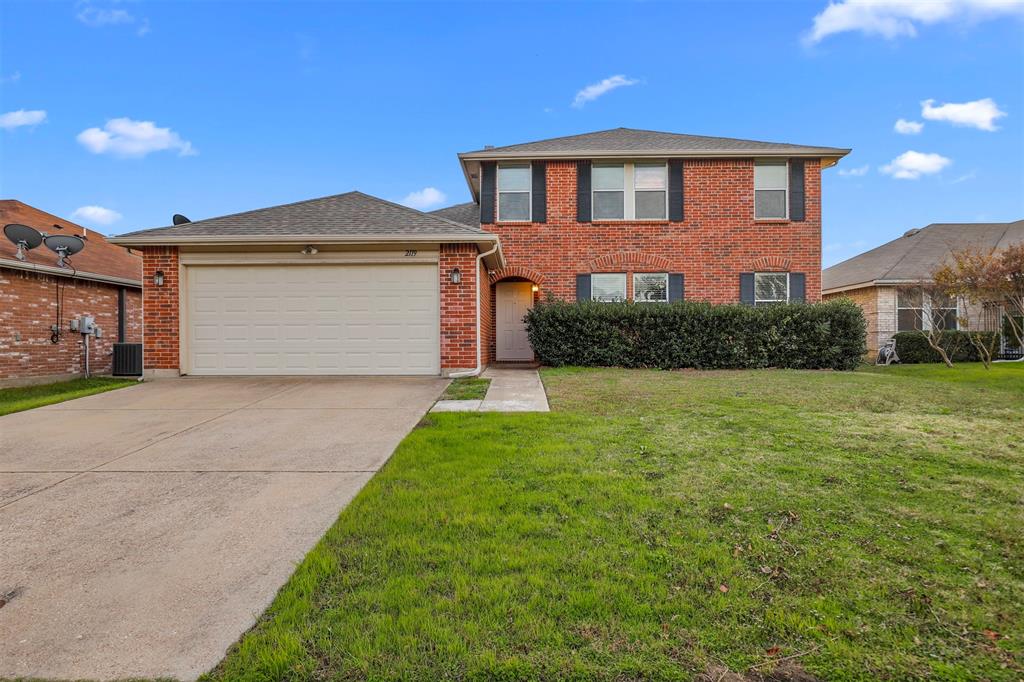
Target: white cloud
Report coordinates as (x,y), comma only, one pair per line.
(894,18)
(93,16)
(595,90)
(980,114)
(856,172)
(428,197)
(905,127)
(96,215)
(912,165)
(13,78)
(125,137)
(19,118)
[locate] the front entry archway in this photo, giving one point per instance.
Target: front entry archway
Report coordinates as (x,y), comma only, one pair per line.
(512,301)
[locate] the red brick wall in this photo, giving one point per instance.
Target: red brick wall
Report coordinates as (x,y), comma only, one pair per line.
(28,307)
(717,240)
(458,306)
(160,308)
(486,318)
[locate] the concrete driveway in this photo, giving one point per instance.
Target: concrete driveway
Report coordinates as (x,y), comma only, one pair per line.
(143,530)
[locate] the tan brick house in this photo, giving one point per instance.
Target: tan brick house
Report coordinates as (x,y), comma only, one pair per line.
(103,281)
(621,214)
(881,281)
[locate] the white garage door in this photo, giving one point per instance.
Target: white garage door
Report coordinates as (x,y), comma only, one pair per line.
(313,319)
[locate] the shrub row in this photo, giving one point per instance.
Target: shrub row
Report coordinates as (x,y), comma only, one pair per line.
(699,335)
(912,347)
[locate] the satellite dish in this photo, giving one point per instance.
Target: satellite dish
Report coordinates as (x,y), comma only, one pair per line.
(24,236)
(179,219)
(64,245)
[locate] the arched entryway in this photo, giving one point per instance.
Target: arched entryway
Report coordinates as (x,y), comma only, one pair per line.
(515,290)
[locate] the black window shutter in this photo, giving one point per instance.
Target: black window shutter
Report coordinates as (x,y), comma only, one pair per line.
(796,189)
(540,192)
(582,287)
(675,190)
(797,287)
(583,191)
(675,287)
(488,180)
(747,288)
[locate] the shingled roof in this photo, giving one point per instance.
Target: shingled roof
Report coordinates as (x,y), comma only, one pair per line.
(467,213)
(352,216)
(649,142)
(914,256)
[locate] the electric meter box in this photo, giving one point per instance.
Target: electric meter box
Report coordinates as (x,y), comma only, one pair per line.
(87,325)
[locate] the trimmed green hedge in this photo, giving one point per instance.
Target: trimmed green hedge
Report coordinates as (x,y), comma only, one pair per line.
(913,348)
(700,335)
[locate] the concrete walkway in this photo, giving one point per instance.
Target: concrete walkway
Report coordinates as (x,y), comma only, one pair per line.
(511,390)
(143,530)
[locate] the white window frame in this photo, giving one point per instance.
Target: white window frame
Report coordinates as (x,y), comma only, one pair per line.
(771,162)
(608,274)
(921,316)
(925,314)
(764,301)
(628,195)
(529,191)
(930,309)
(648,274)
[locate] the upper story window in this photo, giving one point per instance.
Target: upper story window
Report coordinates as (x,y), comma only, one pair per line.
(629,191)
(771,287)
(771,190)
(514,192)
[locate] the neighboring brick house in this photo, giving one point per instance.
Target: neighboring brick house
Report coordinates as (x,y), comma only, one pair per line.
(104,281)
(615,215)
(882,281)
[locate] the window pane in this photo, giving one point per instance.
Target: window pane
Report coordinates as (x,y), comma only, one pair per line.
(607,287)
(514,206)
(515,177)
(770,175)
(608,177)
(608,205)
(650,205)
(944,318)
(649,176)
(908,320)
(908,298)
(943,301)
(769,203)
(650,287)
(770,287)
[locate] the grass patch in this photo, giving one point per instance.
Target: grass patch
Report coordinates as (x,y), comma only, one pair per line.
(657,525)
(28,397)
(467,388)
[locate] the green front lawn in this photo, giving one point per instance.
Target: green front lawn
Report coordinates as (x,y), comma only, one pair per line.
(660,525)
(27,397)
(467,388)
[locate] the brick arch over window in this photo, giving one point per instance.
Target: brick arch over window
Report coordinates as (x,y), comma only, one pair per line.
(627,260)
(517,271)
(770,264)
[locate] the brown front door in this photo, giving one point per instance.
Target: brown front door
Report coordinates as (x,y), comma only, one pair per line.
(513,300)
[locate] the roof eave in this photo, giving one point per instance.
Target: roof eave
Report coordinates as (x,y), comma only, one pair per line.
(66,272)
(270,240)
(873,283)
(811,152)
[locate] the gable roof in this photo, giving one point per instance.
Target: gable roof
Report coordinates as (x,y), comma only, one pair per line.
(913,257)
(99,260)
(467,213)
(631,141)
(348,217)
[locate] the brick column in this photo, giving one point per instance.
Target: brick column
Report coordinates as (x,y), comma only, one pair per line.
(458,307)
(160,310)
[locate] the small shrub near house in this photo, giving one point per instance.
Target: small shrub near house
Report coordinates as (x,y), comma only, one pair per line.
(913,347)
(699,335)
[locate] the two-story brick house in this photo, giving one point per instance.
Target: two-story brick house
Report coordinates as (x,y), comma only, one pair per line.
(615,215)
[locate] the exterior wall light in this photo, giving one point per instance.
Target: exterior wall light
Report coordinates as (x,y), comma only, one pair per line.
(455,276)
(535,288)
(310,250)
(158,278)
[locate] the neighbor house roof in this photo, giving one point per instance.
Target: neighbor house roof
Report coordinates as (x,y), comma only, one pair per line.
(621,141)
(352,217)
(99,260)
(467,213)
(914,256)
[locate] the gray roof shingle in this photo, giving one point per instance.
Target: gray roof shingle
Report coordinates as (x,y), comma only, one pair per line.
(467,213)
(915,255)
(630,140)
(352,214)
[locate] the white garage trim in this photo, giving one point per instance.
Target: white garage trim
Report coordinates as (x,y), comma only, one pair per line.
(358,318)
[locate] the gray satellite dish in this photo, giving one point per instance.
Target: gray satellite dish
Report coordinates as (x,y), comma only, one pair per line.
(64,245)
(179,219)
(24,236)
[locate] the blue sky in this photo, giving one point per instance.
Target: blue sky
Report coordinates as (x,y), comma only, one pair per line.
(212,108)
